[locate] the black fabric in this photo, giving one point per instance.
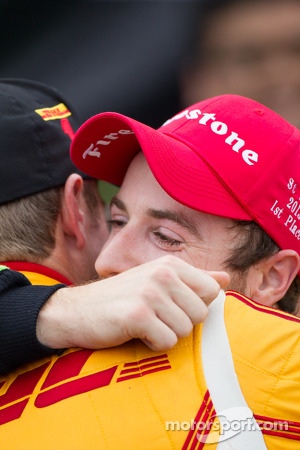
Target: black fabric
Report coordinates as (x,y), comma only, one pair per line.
(36,127)
(20,303)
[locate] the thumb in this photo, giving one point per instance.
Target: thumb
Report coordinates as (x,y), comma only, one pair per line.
(222,278)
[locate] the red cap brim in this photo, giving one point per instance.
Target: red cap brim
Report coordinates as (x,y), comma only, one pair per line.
(105,145)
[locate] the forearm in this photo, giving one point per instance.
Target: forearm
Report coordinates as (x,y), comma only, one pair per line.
(59,320)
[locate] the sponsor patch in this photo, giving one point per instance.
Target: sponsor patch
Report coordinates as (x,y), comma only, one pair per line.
(59,111)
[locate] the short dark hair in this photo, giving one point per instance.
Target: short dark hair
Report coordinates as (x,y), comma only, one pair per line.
(256,246)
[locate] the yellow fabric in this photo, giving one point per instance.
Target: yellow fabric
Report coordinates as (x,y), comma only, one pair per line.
(125,397)
(39,278)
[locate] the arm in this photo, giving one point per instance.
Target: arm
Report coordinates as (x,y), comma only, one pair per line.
(157,302)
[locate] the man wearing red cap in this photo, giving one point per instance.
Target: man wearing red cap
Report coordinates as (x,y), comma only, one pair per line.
(193,189)
(229,157)
(52,227)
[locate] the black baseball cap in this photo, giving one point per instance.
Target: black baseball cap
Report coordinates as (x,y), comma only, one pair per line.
(37,124)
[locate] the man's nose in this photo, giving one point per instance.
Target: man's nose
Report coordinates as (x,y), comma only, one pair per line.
(120,253)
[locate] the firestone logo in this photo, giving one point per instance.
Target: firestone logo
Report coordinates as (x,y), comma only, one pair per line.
(237,144)
(220,128)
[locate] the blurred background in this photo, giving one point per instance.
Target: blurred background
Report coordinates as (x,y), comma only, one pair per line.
(151,58)
(247,47)
(104,55)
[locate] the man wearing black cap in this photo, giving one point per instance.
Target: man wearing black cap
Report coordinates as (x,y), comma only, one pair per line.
(52,227)
(51,215)
(40,187)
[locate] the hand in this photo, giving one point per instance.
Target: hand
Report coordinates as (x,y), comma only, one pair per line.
(157,302)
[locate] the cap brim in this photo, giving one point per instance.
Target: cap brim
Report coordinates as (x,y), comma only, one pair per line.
(105,145)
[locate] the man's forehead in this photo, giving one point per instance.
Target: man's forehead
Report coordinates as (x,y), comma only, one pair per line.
(138,166)
(158,203)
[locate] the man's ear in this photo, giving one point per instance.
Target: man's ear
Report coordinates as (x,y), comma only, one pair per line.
(72,213)
(274,277)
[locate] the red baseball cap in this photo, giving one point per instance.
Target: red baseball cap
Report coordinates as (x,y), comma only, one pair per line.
(228,156)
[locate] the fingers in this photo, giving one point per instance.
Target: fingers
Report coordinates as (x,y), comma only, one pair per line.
(176,276)
(160,330)
(204,283)
(175,300)
(158,336)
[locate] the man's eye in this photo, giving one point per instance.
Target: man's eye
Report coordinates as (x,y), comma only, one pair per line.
(116,223)
(165,240)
